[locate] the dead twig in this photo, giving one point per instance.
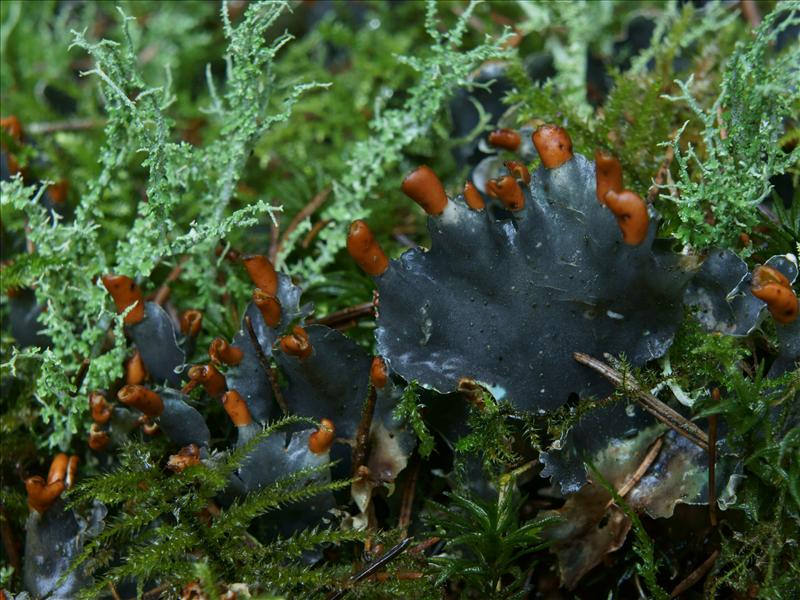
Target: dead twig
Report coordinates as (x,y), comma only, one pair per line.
(266,366)
(695,575)
(114,592)
(162,293)
(344,316)
(408,497)
(671,418)
(661,175)
(274,238)
(362,434)
(9,542)
(712,462)
(308,210)
(318,226)
(81,376)
(56,126)
(634,477)
(750,12)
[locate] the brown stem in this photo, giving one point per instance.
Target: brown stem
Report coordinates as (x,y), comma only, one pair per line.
(345,315)
(308,210)
(266,366)
(113,590)
(750,12)
(315,229)
(712,462)
(162,293)
(671,418)
(71,125)
(695,575)
(634,478)
(80,376)
(9,542)
(408,497)
(362,434)
(661,175)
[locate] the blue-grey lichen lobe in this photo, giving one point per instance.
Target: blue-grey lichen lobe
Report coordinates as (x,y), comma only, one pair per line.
(507,302)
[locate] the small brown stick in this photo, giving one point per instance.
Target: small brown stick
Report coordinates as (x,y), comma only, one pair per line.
(661,175)
(408,497)
(308,210)
(318,226)
(264,362)
(634,477)
(723,131)
(83,370)
(362,434)
(154,592)
(113,590)
(712,462)
(56,126)
(750,12)
(274,237)
(345,315)
(9,543)
(422,546)
(162,293)
(695,575)
(671,418)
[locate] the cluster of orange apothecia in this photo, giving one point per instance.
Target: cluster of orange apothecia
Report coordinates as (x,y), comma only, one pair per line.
(554,147)
(772,287)
(42,493)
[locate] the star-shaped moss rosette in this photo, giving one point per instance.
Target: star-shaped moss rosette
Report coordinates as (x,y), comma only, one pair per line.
(729,299)
(506,302)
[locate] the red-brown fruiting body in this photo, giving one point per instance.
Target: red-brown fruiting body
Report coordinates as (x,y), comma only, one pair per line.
(631,213)
(378,373)
(188,456)
(508,191)
(608,174)
(135,371)
(296,344)
(505,138)
(138,396)
(772,286)
(553,145)
(98,439)
(211,379)
(473,197)
(269,307)
(424,187)
(100,408)
(58,468)
(223,353)
(236,407)
(321,440)
(262,273)
(365,250)
(191,321)
(125,292)
(42,495)
(12,127)
(58,191)
(519,170)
